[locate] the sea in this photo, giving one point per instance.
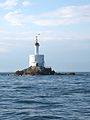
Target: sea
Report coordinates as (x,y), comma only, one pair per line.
(53,97)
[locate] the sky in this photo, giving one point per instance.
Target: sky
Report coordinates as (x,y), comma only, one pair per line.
(64,27)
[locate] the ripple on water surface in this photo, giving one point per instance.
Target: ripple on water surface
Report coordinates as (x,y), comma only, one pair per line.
(45,97)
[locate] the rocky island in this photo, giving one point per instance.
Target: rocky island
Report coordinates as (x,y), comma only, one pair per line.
(36,64)
(40,71)
(36,70)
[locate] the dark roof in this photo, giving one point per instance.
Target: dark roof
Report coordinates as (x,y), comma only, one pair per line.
(37,44)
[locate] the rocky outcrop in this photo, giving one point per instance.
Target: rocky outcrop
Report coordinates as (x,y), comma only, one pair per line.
(36,71)
(41,71)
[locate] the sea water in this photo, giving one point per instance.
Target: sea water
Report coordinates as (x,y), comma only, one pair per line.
(57,97)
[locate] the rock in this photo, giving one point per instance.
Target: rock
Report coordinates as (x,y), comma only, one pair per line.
(36,71)
(41,71)
(70,73)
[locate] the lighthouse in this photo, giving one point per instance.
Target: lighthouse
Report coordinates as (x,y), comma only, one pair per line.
(36,59)
(36,63)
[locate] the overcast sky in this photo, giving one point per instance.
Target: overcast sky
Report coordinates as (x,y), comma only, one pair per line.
(64,27)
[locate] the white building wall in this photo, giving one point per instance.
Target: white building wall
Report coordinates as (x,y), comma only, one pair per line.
(32,60)
(36,59)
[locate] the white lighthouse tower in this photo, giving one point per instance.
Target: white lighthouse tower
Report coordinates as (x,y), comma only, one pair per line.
(36,47)
(36,59)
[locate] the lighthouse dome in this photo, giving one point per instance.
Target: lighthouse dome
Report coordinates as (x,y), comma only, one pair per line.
(37,44)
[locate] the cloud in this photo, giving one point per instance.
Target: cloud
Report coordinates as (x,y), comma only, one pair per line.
(64,36)
(11,41)
(8,4)
(26,3)
(13,37)
(16,18)
(62,16)
(65,15)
